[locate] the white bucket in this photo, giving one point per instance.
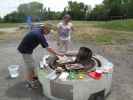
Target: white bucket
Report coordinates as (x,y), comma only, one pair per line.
(14,71)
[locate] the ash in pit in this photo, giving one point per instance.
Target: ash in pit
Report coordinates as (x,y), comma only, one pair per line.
(83,60)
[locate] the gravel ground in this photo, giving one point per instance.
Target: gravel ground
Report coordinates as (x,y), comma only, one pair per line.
(14,89)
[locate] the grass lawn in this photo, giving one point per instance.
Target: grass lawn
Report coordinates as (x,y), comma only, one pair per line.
(9,25)
(99,32)
(122,25)
(125,25)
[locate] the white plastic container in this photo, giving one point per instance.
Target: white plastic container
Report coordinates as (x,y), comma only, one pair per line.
(13,71)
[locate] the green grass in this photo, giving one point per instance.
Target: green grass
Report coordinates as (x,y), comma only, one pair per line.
(104,39)
(120,31)
(9,25)
(100,32)
(124,25)
(121,25)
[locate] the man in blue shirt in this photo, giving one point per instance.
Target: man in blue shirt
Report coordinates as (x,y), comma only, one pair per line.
(27,46)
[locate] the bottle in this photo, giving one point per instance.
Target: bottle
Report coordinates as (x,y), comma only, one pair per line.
(108,70)
(72,75)
(52,75)
(108,67)
(81,76)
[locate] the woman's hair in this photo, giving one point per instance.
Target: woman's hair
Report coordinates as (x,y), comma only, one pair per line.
(84,54)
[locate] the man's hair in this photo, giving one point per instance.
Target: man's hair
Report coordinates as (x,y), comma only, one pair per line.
(84,53)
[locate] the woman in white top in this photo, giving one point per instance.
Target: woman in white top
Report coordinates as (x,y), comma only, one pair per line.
(65,29)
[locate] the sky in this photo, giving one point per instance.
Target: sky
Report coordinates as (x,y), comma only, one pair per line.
(7,6)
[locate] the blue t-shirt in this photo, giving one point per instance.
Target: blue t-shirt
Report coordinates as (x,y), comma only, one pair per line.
(31,41)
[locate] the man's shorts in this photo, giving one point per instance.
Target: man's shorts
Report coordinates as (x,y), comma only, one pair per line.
(29,62)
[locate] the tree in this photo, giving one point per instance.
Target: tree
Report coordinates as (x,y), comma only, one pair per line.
(34,9)
(130,8)
(15,17)
(114,7)
(118,7)
(78,11)
(99,13)
(0,19)
(47,14)
(109,9)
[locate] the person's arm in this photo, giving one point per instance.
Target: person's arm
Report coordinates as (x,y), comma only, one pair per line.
(71,53)
(45,44)
(72,28)
(51,50)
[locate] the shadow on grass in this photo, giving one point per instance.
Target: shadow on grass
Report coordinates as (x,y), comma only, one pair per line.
(20,91)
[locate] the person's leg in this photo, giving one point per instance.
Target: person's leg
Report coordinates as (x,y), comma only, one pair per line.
(61,45)
(70,46)
(67,44)
(29,70)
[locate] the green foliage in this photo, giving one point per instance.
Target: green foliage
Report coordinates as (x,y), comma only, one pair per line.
(78,11)
(0,19)
(47,14)
(31,9)
(103,39)
(108,10)
(130,8)
(15,17)
(99,32)
(5,25)
(99,13)
(113,9)
(123,25)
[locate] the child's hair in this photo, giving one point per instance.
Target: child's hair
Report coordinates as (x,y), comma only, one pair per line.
(67,16)
(84,54)
(47,26)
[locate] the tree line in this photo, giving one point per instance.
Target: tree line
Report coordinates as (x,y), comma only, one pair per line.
(108,10)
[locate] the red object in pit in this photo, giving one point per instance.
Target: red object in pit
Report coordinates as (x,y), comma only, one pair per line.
(95,75)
